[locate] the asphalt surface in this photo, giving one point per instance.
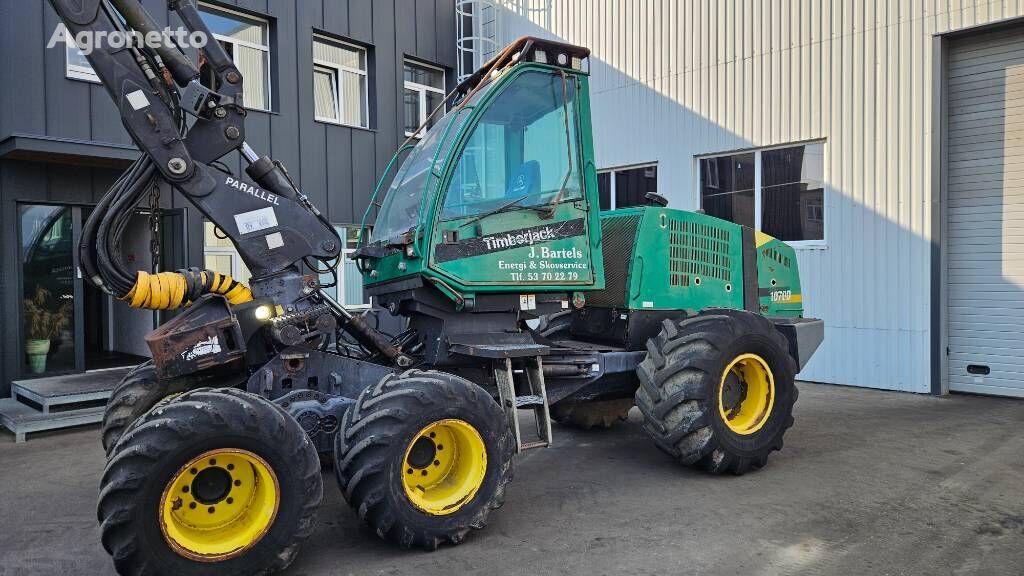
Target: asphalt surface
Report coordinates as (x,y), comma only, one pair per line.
(869,483)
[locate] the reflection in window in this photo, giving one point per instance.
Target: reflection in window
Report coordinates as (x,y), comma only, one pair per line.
(519,150)
(247,42)
(339,82)
(423,92)
(790,190)
(792,202)
(48,290)
(219,254)
(727,187)
(625,187)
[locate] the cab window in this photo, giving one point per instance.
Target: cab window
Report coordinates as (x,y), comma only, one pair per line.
(523,150)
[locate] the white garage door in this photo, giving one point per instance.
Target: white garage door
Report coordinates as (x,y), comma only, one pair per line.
(986,214)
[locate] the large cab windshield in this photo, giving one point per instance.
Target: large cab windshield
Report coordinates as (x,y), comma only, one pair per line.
(522,152)
(401,207)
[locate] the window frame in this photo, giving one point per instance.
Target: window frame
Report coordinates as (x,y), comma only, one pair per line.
(422,89)
(342,230)
(612,198)
(236,258)
(238,15)
(336,70)
(76,72)
(819,244)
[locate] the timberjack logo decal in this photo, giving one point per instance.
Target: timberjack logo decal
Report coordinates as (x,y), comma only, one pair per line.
(509,240)
(202,348)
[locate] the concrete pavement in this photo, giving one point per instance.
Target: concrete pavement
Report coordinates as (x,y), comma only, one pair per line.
(869,483)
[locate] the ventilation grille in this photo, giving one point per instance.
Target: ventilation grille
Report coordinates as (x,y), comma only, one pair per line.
(697,251)
(778,257)
(618,236)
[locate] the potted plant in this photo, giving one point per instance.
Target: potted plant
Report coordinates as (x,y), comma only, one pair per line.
(41,323)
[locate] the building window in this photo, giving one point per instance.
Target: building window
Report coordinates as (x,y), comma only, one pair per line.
(219,254)
(424,91)
(339,83)
(77,66)
(247,41)
(349,289)
(625,187)
(779,191)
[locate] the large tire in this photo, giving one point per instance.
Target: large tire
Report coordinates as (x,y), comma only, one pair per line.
(378,457)
(260,497)
(592,414)
(695,410)
(136,394)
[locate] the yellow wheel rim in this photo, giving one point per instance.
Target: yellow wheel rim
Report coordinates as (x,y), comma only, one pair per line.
(219,505)
(444,466)
(746,394)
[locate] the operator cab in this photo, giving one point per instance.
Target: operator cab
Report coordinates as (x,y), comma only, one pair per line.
(501,191)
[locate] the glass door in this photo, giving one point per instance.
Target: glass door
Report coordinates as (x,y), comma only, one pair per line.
(49,289)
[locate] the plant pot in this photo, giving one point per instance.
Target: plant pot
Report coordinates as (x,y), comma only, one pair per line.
(36,350)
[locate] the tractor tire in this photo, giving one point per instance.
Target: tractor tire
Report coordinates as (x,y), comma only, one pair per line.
(137,393)
(592,414)
(717,390)
(423,457)
(212,481)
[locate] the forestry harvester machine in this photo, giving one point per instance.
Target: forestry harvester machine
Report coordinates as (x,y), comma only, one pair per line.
(522,303)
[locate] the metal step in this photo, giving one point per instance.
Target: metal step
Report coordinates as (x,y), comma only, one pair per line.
(21,419)
(68,389)
(527,392)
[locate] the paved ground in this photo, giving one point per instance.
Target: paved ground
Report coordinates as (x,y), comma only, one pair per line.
(869,483)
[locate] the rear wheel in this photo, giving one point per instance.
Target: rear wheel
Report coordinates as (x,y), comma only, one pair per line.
(717,390)
(137,393)
(592,414)
(212,481)
(423,457)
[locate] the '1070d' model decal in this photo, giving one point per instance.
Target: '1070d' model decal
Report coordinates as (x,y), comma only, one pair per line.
(509,240)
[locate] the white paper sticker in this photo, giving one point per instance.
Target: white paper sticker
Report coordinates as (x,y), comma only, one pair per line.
(274,240)
(138,99)
(527,302)
(565,304)
(647,304)
(595,367)
(256,220)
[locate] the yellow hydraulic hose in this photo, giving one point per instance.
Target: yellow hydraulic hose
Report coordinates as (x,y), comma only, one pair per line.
(171,290)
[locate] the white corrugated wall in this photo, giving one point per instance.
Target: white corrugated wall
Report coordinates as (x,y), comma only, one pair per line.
(676,79)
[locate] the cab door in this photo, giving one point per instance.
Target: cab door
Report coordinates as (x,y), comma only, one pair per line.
(515,207)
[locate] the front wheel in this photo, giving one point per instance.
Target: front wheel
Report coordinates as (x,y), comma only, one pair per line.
(423,457)
(213,481)
(717,390)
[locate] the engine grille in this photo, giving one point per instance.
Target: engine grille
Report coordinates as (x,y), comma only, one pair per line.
(697,250)
(618,237)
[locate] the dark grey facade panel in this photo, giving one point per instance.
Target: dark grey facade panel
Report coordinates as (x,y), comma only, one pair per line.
(64,125)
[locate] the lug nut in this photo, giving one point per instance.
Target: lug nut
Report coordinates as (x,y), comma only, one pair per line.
(220,113)
(232,132)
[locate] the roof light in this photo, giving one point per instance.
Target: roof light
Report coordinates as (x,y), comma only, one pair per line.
(540,56)
(562,59)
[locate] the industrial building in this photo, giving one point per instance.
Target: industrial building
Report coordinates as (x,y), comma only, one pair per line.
(884,140)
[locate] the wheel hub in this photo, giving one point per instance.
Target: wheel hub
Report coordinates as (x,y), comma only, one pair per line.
(746,394)
(444,466)
(219,505)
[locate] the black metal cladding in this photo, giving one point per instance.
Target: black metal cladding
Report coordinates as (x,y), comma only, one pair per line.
(62,141)
(618,238)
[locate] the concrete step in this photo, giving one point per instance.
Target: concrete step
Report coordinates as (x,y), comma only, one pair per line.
(22,419)
(68,389)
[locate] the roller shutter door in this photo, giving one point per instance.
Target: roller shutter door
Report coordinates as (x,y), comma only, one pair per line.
(985,213)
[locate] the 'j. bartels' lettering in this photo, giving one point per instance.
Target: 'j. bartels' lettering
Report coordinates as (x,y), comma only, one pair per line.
(252,190)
